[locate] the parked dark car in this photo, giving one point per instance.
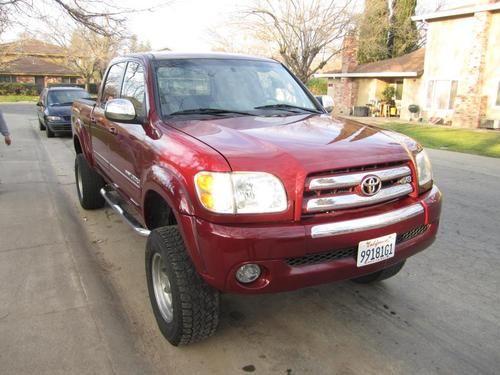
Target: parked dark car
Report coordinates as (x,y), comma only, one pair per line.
(54,108)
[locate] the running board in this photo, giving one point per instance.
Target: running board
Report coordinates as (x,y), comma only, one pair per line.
(127,217)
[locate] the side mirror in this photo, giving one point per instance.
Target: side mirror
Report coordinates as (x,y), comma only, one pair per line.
(327,103)
(121,110)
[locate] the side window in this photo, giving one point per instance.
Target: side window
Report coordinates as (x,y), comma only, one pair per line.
(134,87)
(113,82)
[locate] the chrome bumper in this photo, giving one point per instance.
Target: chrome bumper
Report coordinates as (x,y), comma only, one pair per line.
(367,223)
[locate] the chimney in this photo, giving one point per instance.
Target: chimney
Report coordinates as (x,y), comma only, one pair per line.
(349,52)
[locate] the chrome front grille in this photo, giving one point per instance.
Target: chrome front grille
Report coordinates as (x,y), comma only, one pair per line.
(342,189)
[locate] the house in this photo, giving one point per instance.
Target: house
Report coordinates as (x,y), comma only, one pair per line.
(454,80)
(34,61)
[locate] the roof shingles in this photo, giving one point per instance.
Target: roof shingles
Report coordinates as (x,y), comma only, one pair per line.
(411,63)
(35,66)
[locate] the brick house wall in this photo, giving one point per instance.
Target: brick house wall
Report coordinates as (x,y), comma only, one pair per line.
(470,104)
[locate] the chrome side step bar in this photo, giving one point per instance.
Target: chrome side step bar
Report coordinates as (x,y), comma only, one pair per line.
(127,217)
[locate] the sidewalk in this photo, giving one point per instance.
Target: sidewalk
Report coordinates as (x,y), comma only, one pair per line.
(58,314)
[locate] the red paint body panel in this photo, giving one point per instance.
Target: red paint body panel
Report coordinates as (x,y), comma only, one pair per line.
(164,156)
(225,248)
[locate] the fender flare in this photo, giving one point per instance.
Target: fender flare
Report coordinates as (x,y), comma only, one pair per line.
(167,183)
(170,186)
(82,135)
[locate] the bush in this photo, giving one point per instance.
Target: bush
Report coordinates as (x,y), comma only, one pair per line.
(318,86)
(389,93)
(18,88)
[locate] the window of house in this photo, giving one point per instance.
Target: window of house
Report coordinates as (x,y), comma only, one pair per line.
(134,87)
(441,94)
(399,90)
(497,103)
(7,79)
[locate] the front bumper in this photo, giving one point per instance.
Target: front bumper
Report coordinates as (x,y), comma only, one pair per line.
(219,250)
(59,126)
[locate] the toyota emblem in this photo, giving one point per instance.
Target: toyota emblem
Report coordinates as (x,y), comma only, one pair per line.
(371,185)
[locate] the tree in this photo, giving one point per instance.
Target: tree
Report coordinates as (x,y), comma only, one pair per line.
(386,30)
(136,45)
(307,33)
(105,17)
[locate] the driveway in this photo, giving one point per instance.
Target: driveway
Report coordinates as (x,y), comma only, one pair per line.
(73,296)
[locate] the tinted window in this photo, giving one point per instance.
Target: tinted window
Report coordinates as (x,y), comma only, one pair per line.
(134,86)
(65,97)
(113,82)
(238,85)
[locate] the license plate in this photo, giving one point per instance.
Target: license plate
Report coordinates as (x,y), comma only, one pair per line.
(376,250)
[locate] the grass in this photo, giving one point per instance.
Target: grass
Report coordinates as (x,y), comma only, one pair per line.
(17,98)
(479,142)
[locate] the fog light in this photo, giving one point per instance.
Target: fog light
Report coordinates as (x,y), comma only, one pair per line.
(248,273)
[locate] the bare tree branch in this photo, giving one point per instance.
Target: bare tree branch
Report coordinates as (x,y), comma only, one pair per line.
(106,18)
(301,29)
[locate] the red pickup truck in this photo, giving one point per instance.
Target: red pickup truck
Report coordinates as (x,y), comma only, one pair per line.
(244,183)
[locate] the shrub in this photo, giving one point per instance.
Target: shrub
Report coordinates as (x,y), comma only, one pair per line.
(18,88)
(318,86)
(389,92)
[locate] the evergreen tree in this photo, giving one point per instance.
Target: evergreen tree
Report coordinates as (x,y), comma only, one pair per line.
(386,30)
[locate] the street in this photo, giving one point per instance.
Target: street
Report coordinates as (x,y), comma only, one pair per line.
(73,294)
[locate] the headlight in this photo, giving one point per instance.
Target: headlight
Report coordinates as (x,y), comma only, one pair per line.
(424,170)
(54,118)
(240,192)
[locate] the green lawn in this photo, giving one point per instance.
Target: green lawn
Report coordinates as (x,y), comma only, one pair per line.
(478,142)
(17,98)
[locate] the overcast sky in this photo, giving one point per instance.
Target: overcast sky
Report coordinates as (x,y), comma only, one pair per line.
(185,24)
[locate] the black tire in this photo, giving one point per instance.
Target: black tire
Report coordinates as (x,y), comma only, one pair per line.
(194,304)
(88,184)
(50,133)
(380,275)
(41,126)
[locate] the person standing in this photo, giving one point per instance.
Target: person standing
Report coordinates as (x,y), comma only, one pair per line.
(4,130)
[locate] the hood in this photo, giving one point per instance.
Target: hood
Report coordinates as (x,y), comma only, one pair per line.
(312,143)
(59,110)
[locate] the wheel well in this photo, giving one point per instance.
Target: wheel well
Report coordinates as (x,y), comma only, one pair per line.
(157,212)
(78,146)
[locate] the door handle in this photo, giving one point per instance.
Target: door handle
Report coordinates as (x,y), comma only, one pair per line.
(113,130)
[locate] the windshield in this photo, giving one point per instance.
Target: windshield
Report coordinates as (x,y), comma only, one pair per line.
(65,97)
(242,86)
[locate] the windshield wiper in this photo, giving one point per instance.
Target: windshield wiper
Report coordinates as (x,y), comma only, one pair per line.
(288,107)
(208,111)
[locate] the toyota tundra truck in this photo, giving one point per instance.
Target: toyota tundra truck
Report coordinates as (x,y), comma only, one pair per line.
(243,183)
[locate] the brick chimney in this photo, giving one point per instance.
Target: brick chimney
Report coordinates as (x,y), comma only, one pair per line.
(349,52)
(345,90)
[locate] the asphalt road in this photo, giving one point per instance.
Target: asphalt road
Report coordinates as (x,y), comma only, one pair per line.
(73,296)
